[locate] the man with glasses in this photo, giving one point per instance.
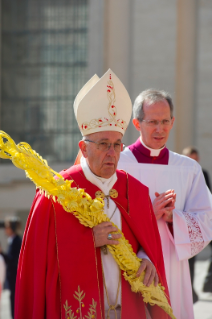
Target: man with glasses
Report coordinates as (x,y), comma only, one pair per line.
(65,269)
(180,199)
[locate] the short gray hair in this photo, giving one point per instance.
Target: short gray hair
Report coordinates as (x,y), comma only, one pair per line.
(152,96)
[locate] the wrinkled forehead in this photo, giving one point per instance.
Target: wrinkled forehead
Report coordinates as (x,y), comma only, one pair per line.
(155,100)
(160,107)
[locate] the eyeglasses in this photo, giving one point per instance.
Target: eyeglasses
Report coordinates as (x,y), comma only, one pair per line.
(105,146)
(156,122)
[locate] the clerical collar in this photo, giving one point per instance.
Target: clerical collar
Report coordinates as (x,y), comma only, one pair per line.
(105,184)
(143,154)
(153,152)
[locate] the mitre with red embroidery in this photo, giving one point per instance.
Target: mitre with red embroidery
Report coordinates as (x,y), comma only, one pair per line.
(103,104)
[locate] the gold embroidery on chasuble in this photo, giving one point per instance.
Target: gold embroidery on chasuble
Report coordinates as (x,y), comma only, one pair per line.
(127,195)
(79,296)
(112,193)
(112,112)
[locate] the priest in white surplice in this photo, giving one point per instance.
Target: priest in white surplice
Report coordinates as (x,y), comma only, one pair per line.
(180,197)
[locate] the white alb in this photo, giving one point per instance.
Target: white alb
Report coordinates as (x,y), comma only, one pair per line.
(192,219)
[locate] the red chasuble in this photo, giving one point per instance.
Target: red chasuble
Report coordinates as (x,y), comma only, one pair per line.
(60,271)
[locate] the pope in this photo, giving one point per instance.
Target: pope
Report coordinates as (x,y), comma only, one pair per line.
(65,269)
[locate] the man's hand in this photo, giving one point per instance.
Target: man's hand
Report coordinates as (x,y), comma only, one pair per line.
(150,274)
(164,204)
(101,232)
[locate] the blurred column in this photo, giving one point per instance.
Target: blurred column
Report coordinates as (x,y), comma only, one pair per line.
(117,38)
(186,73)
(118,46)
(110,37)
(96,41)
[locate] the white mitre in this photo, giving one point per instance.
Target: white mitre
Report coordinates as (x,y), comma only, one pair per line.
(103,104)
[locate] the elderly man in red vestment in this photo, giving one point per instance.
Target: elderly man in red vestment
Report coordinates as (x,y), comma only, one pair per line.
(65,270)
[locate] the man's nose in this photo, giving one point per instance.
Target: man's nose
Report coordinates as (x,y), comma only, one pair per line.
(159,127)
(111,149)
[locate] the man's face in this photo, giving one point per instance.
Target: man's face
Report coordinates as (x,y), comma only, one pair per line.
(102,163)
(155,137)
(8,231)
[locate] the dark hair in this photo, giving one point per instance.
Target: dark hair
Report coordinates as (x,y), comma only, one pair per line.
(189,151)
(13,223)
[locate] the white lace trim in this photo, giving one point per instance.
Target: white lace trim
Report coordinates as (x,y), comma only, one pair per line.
(195,234)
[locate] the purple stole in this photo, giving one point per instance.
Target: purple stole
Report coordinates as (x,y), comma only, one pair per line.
(142,154)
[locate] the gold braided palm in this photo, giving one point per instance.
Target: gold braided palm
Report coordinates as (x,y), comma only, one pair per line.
(88,211)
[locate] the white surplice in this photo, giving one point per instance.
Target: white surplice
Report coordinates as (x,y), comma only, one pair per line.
(192,219)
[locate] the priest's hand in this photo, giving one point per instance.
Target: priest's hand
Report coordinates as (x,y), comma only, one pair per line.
(101,233)
(151,273)
(168,215)
(164,204)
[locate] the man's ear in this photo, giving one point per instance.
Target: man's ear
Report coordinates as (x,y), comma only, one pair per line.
(136,123)
(83,147)
(173,121)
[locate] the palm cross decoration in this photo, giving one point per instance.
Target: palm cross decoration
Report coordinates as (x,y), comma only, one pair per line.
(80,295)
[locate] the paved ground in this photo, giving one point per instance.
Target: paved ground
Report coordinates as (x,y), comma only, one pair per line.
(5,310)
(202,309)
